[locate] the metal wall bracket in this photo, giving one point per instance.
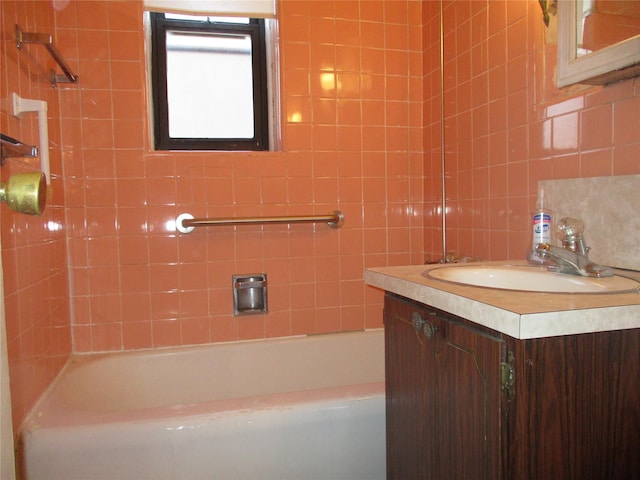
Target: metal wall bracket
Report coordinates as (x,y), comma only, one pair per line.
(46,40)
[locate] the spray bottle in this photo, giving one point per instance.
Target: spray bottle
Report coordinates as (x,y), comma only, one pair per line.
(541,227)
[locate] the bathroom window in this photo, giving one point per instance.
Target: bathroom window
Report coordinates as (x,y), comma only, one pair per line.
(210,83)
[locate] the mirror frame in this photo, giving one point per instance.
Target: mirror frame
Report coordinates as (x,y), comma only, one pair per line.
(610,64)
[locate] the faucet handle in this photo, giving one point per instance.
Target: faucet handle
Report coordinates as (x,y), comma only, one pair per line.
(570,227)
(571,234)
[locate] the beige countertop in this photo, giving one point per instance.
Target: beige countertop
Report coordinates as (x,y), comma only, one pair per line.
(516,313)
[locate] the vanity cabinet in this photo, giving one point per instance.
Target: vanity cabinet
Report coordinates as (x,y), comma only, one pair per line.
(467,402)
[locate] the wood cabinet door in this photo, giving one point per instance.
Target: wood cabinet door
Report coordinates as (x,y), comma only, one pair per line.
(444,400)
(470,403)
(410,414)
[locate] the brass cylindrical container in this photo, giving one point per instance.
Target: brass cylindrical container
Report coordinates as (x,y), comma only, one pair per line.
(25,193)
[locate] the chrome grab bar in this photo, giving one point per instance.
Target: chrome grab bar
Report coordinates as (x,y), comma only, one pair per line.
(186,223)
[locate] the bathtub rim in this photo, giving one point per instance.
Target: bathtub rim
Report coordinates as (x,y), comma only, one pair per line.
(58,411)
(203,346)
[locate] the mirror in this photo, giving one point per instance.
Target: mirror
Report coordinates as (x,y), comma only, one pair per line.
(598,41)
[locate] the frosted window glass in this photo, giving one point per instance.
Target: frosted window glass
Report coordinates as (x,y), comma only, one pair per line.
(209,86)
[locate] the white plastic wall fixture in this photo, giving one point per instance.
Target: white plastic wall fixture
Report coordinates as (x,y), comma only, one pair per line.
(25,105)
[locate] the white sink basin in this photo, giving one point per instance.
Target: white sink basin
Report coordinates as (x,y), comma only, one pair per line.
(531,279)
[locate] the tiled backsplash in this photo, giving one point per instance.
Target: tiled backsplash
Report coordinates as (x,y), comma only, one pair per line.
(609,208)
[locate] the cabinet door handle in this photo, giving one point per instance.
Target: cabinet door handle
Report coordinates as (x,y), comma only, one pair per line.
(417,321)
(429,330)
(420,323)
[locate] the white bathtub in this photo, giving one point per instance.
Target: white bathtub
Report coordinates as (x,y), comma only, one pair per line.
(300,408)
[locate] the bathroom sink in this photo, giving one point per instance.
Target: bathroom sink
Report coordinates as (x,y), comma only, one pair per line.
(531,279)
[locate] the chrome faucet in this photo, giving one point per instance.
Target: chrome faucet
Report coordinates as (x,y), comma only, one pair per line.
(573,257)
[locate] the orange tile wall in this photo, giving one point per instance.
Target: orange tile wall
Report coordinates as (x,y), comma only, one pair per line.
(507,126)
(355,146)
(34,260)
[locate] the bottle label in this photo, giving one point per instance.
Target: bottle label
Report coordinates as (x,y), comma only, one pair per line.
(541,228)
(541,223)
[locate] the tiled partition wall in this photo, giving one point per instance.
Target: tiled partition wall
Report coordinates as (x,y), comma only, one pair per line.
(507,126)
(34,261)
(351,103)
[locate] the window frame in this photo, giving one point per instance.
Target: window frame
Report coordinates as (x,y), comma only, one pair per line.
(256,30)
